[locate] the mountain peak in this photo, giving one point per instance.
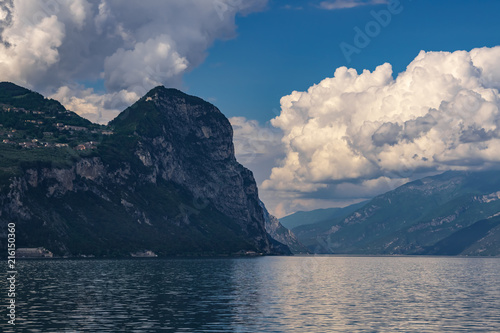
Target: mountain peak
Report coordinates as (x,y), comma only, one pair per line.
(13,94)
(12,88)
(169,93)
(164,109)
(18,97)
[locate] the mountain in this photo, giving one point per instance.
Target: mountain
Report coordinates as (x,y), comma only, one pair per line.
(317,222)
(481,238)
(278,232)
(300,218)
(427,216)
(161,177)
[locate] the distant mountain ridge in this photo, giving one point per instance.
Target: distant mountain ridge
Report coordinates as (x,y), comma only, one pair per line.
(161,177)
(421,217)
(301,218)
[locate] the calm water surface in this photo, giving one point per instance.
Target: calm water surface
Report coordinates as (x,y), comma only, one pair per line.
(268,294)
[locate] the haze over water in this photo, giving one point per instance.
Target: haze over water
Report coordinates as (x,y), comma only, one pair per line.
(267,294)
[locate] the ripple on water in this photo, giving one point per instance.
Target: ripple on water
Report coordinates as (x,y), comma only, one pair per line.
(269,294)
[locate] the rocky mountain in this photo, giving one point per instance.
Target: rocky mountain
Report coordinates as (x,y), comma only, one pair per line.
(452,213)
(481,238)
(162,177)
(278,232)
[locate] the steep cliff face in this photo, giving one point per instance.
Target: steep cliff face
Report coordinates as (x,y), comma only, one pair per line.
(189,142)
(166,180)
(281,234)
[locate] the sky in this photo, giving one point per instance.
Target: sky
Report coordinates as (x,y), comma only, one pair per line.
(332,101)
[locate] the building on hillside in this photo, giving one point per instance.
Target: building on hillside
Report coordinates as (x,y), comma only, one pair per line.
(35,252)
(144,254)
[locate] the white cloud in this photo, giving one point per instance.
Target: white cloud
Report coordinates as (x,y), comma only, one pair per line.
(79,10)
(256,147)
(32,51)
(290,7)
(5,16)
(349,135)
(345,4)
(133,46)
(160,63)
(98,108)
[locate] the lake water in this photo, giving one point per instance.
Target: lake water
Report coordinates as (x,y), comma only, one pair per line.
(265,294)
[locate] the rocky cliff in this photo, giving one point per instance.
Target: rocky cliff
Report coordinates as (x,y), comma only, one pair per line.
(278,232)
(166,180)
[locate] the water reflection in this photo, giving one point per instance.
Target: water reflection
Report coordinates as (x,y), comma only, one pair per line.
(271,294)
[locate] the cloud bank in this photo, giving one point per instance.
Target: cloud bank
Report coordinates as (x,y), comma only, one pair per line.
(367,131)
(56,46)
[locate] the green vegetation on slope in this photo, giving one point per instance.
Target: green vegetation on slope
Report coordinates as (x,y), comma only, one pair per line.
(40,132)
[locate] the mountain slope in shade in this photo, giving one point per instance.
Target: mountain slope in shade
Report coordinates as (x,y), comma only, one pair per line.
(481,238)
(278,232)
(300,218)
(414,217)
(164,178)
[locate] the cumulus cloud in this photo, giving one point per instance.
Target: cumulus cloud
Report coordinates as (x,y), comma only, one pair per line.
(98,108)
(24,57)
(257,147)
(344,4)
(367,132)
(5,17)
(53,46)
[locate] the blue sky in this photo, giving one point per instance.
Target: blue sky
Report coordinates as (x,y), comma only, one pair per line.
(282,49)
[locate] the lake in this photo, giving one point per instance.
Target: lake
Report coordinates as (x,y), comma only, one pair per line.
(263,294)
